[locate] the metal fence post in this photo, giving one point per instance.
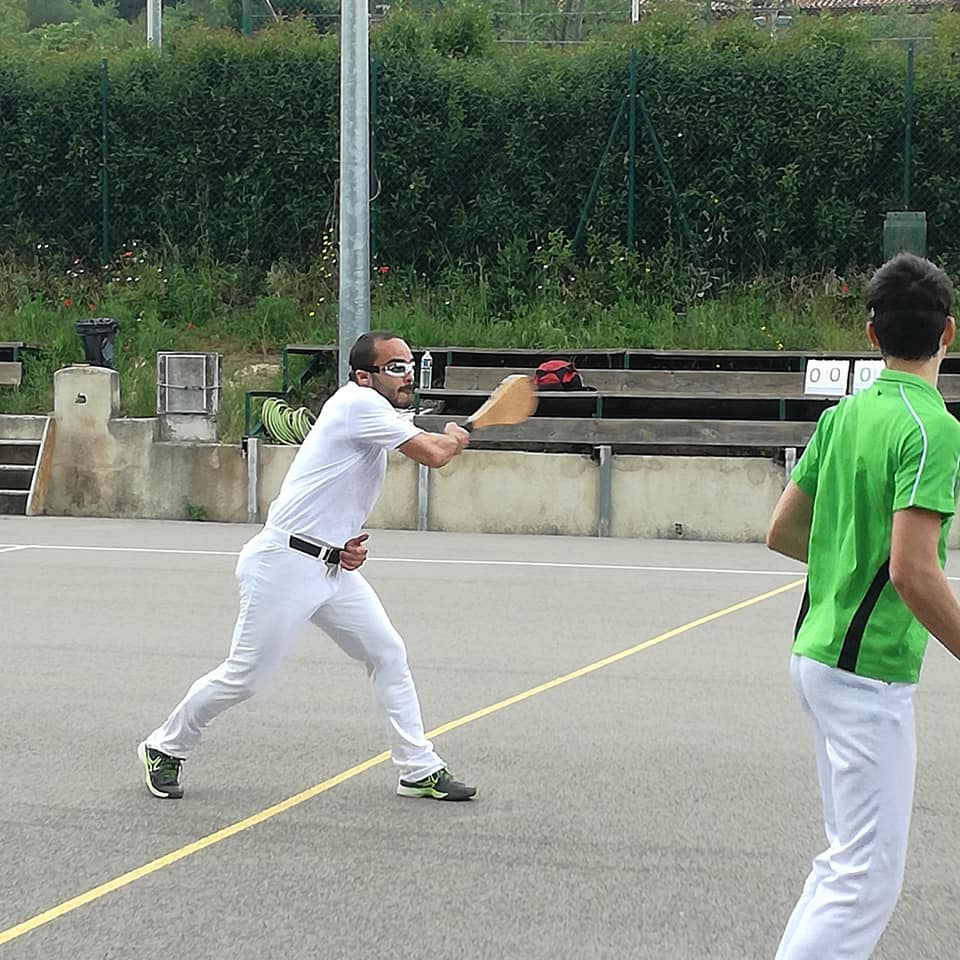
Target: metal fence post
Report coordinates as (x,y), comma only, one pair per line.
(632,169)
(374,179)
(423,497)
(253,479)
(606,490)
(104,158)
(907,125)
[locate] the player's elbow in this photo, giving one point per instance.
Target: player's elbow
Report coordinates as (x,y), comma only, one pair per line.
(907,577)
(775,536)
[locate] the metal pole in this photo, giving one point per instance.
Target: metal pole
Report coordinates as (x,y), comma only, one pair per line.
(246,27)
(373,150)
(665,170)
(632,170)
(154,29)
(606,489)
(253,479)
(907,125)
(423,497)
(354,310)
(592,195)
(104,157)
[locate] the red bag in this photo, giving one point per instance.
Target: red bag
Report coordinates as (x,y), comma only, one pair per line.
(558,375)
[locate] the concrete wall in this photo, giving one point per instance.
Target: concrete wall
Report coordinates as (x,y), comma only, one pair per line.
(102,465)
(695,498)
(515,492)
(21,427)
(396,509)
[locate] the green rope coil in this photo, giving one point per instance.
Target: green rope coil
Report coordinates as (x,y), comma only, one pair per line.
(285,424)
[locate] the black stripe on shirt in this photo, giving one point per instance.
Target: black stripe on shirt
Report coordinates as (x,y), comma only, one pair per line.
(804,608)
(850,650)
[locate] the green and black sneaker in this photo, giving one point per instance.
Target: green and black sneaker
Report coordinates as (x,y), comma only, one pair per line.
(161,772)
(438,786)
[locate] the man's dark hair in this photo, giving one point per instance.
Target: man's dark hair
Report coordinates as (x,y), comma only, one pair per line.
(362,352)
(909,300)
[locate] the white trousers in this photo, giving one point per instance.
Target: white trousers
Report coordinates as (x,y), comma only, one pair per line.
(281,589)
(865,745)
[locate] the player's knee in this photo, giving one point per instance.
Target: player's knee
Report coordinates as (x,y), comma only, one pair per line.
(389,660)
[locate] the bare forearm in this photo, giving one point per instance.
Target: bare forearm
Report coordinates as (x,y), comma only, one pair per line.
(793,544)
(446,448)
(929,598)
(435,449)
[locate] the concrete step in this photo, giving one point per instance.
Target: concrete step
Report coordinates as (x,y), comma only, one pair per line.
(13,502)
(18,452)
(16,476)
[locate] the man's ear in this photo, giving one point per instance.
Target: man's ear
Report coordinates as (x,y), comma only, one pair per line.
(949,330)
(872,334)
(362,377)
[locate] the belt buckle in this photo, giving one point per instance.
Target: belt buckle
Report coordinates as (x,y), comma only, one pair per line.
(329,555)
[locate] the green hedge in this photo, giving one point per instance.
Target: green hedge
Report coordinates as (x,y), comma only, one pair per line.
(785,155)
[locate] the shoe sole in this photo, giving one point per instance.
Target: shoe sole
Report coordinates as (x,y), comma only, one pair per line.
(142,754)
(431,794)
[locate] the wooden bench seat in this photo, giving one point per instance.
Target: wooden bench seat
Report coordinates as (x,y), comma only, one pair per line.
(748,384)
(586,403)
(648,382)
(587,432)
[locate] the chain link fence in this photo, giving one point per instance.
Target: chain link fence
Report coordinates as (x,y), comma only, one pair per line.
(614,155)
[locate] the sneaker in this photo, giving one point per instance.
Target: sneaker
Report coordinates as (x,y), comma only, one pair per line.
(438,786)
(161,772)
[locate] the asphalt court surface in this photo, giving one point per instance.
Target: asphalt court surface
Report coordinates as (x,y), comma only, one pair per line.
(660,805)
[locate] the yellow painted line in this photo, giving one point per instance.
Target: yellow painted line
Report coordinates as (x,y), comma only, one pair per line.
(165,861)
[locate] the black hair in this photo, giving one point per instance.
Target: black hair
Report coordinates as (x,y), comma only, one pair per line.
(909,300)
(362,352)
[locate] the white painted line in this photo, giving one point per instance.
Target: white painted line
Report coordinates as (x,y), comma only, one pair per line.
(640,568)
(643,568)
(648,568)
(67,546)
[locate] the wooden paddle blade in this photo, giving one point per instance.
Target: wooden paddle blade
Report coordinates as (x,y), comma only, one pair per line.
(514,399)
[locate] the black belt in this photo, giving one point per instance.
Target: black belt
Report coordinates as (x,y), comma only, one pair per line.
(326,554)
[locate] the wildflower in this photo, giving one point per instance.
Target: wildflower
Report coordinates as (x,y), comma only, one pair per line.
(190,325)
(384,269)
(312,313)
(844,289)
(68,302)
(127,253)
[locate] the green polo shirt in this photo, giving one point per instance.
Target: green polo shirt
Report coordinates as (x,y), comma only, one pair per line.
(885,449)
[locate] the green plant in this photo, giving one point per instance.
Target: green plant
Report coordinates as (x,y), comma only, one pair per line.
(195,511)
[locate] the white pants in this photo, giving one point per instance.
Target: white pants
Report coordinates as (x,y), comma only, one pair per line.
(866,757)
(281,589)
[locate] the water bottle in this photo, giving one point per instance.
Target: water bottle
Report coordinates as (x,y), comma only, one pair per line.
(426,371)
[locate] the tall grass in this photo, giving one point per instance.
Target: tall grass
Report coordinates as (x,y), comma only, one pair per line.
(163,306)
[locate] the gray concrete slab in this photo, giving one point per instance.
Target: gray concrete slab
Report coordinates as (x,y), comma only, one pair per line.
(663,806)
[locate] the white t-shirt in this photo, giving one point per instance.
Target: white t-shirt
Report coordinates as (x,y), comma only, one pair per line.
(337,475)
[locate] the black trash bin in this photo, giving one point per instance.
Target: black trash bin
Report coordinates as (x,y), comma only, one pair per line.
(97,337)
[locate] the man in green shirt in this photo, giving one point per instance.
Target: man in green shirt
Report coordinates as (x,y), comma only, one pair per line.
(867,509)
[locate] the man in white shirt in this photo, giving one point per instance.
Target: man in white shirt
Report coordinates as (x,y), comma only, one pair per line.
(303,565)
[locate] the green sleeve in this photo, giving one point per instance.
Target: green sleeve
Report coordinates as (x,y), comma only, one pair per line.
(926,474)
(807,470)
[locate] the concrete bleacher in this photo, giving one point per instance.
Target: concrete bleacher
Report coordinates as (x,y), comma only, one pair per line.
(657,401)
(640,400)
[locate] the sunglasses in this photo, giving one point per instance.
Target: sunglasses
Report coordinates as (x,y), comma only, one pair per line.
(395,368)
